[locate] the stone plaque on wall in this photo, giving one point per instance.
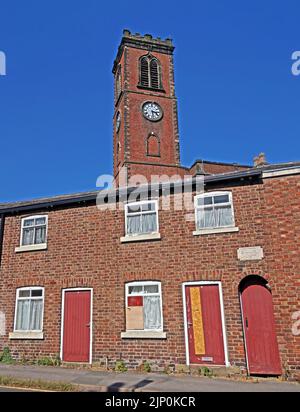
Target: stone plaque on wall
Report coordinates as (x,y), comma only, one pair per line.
(250,253)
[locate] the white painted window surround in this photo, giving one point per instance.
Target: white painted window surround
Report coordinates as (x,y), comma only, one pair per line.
(141,221)
(214,213)
(33,233)
(29,312)
(143,334)
(151,310)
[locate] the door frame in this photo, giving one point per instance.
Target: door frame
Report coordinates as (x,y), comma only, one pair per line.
(63,319)
(244,333)
(203,283)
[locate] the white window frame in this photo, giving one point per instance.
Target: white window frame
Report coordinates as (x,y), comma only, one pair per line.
(142,202)
(145,283)
(23,227)
(30,288)
(212,194)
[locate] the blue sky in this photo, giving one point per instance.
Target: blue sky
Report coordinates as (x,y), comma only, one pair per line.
(237,96)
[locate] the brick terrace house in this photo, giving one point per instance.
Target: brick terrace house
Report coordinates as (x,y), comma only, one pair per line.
(142,283)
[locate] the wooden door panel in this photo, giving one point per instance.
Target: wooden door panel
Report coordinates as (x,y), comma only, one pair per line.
(259,330)
(76,333)
(204,325)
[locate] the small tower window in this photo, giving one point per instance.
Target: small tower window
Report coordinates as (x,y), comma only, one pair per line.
(118,85)
(153,146)
(150,73)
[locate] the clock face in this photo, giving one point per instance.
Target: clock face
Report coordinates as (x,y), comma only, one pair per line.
(118,122)
(152,111)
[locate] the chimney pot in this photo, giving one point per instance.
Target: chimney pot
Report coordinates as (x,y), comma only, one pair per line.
(260,160)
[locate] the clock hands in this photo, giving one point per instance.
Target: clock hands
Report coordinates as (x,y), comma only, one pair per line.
(152,111)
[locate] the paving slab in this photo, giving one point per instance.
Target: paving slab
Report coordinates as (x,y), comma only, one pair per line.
(91,380)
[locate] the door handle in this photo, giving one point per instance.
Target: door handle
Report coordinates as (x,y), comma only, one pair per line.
(88,325)
(246,321)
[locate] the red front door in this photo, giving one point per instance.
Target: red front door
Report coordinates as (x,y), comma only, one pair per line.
(76,326)
(204,325)
(259,330)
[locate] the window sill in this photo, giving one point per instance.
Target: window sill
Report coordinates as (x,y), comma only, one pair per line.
(215,231)
(30,248)
(140,238)
(143,334)
(153,89)
(26,335)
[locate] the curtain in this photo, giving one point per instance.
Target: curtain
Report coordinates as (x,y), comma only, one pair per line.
(40,234)
(152,315)
(36,310)
(133,224)
(205,218)
(214,217)
(29,314)
(138,224)
(223,216)
(149,223)
(28,234)
(22,314)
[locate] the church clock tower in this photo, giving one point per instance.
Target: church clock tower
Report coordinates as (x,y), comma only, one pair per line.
(146,139)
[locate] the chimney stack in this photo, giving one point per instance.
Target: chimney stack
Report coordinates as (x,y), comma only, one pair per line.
(260,160)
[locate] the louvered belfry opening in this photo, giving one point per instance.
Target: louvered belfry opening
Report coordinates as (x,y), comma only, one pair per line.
(154,74)
(145,72)
(150,72)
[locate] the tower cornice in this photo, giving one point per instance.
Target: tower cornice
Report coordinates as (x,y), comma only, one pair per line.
(146,42)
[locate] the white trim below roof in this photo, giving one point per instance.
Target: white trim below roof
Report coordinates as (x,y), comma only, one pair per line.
(282,172)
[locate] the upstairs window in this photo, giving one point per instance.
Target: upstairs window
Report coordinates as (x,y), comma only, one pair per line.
(34,230)
(141,218)
(150,73)
(144,306)
(29,309)
(214,210)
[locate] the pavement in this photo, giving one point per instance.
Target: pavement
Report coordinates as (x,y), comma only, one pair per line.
(102,381)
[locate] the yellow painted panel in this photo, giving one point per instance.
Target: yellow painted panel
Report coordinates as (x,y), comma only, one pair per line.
(199,341)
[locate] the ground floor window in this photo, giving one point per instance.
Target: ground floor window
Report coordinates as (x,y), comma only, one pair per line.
(29,309)
(144,306)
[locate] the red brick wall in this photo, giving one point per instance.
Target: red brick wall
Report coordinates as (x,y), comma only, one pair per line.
(84,249)
(282,242)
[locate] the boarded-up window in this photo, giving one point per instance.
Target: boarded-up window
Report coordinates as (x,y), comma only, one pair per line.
(143,306)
